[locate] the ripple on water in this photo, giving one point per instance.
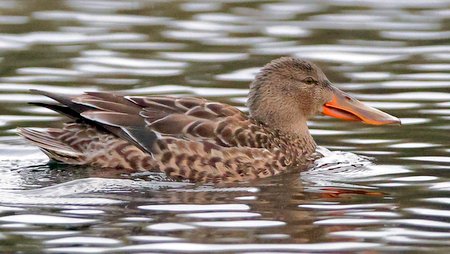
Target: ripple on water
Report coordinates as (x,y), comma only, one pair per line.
(190,35)
(39,234)
(104,5)
(296,8)
(428,212)
(440,200)
(38,78)
(370,49)
(368,75)
(445,112)
(412,145)
(220,215)
(200,6)
(18,87)
(58,38)
(198,91)
(195,208)
(211,26)
(423,223)
(438,159)
(129,62)
(287,31)
(414,121)
(318,132)
(48,71)
(334,207)
(407,96)
(426,76)
(154,238)
(78,250)
(118,19)
(239,75)
(439,56)
(417,84)
(38,219)
(110,64)
(6,119)
(394,105)
(137,219)
(349,221)
(374,214)
(441,186)
(222,17)
(415,178)
(235,41)
(240,224)
(84,212)
(13,20)
(142,45)
(105,70)
(389,232)
(80,240)
(204,57)
(170,227)
(349,57)
(6,209)
(416,35)
(11,45)
(430,67)
(350,17)
(195,247)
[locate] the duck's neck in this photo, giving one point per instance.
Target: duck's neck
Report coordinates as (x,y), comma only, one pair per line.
(295,132)
(298,132)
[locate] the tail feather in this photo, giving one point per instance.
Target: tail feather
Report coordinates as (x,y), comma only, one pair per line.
(64,99)
(64,110)
(82,106)
(45,139)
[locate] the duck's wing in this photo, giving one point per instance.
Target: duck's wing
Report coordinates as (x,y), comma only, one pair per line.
(144,120)
(197,119)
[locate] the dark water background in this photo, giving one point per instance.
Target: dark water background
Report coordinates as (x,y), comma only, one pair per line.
(394,55)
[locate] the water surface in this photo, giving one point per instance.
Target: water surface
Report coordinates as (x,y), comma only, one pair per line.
(383,189)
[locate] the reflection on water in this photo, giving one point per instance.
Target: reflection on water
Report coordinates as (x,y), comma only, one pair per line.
(382,189)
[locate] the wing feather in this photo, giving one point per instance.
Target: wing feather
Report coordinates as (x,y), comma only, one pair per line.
(115,119)
(106,105)
(142,120)
(194,118)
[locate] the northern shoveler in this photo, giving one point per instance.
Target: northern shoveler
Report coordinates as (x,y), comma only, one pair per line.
(201,140)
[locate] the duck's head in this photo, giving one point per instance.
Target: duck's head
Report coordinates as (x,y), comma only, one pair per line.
(288,91)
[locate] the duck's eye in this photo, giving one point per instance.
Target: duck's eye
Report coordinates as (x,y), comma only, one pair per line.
(309,81)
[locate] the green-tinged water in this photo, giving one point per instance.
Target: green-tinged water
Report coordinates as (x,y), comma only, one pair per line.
(393,55)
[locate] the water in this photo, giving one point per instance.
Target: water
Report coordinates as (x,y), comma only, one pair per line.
(380,189)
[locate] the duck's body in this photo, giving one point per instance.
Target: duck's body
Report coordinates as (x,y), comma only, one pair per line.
(193,138)
(189,138)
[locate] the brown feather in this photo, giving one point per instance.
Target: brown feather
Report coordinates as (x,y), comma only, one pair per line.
(47,140)
(107,105)
(201,112)
(106,96)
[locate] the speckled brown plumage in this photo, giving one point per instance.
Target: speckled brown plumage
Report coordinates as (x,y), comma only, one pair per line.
(193,138)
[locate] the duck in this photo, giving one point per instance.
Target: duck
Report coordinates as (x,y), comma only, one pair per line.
(199,140)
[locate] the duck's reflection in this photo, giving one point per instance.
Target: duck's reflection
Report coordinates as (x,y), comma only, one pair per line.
(273,210)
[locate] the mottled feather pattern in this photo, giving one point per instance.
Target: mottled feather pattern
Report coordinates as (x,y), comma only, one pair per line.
(186,138)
